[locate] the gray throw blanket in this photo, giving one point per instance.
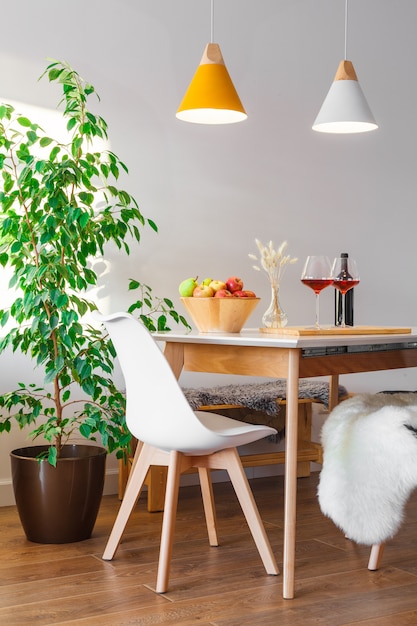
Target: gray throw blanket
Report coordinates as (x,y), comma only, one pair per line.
(263,397)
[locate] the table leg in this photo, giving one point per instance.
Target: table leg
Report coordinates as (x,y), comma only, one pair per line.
(290,493)
(174,354)
(333,391)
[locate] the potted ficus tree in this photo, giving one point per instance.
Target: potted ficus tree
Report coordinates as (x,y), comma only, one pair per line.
(59,207)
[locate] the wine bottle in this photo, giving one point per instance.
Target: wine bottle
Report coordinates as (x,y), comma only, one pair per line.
(348,298)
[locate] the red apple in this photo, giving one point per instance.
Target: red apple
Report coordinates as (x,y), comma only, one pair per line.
(234,284)
(223,293)
(249,294)
(203,291)
(216,285)
(240,294)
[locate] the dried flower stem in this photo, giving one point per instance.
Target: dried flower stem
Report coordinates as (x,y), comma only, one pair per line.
(274,262)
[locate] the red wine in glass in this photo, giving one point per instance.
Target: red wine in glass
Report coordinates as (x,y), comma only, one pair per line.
(317,275)
(344,285)
(317,284)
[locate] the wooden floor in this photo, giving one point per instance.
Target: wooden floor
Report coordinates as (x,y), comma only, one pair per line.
(225,586)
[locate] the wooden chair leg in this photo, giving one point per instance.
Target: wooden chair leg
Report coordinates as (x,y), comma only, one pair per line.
(209,506)
(124,471)
(156,481)
(168,524)
(126,466)
(230,460)
(375,557)
(134,487)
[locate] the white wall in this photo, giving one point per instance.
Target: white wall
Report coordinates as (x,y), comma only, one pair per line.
(212,190)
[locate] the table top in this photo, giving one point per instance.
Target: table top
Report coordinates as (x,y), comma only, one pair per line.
(254,337)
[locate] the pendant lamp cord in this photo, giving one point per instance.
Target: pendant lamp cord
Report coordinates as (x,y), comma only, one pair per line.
(346,27)
(212,22)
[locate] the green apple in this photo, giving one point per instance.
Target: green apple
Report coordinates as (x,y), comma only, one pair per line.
(206,281)
(187,287)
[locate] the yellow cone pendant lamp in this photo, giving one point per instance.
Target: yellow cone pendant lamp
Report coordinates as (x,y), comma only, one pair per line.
(211,97)
(345,109)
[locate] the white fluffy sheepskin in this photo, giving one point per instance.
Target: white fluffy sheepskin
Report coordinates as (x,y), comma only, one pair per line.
(369,464)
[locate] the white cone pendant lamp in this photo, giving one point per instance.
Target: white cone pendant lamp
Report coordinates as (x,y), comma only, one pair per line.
(345,109)
(211,97)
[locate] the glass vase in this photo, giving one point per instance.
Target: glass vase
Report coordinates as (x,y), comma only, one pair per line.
(274,316)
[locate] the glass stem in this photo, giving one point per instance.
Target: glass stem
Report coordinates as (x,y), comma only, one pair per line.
(317,310)
(343,325)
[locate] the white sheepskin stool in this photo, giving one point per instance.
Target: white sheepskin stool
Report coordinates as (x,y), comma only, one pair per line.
(369,464)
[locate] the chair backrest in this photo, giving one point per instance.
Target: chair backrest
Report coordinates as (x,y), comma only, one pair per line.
(157,411)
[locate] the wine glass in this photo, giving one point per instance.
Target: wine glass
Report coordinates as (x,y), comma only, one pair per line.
(317,275)
(345,276)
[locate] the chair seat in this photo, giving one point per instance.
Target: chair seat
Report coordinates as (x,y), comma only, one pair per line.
(219,432)
(308,450)
(233,431)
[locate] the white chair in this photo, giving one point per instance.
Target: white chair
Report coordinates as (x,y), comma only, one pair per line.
(172,434)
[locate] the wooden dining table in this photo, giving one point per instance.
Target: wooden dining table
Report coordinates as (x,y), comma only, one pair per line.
(291,356)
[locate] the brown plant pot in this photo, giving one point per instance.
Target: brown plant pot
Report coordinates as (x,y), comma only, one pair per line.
(58,504)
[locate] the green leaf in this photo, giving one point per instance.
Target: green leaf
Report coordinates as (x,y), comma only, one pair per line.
(16,247)
(54,153)
(23,121)
(153,225)
(45,141)
(52,455)
(71,123)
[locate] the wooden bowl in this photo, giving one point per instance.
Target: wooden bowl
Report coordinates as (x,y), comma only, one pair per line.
(219,315)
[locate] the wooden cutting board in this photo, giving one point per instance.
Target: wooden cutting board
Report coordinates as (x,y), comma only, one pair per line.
(298,331)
